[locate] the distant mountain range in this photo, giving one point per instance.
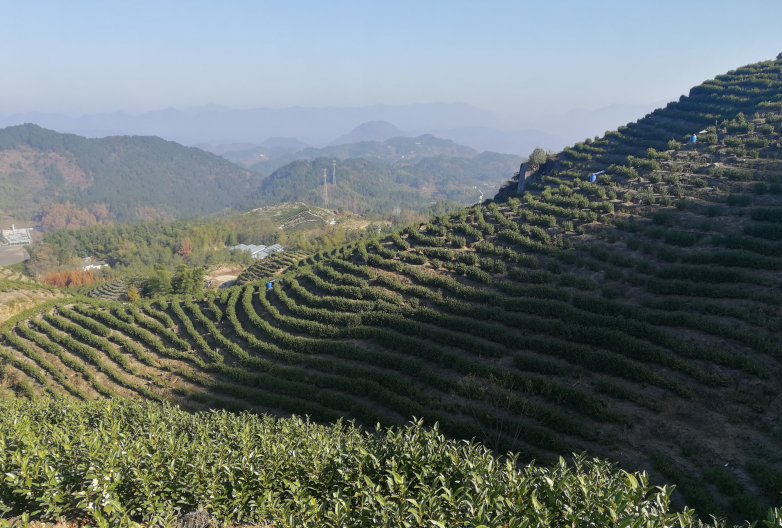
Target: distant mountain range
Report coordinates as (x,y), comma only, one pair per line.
(216,124)
(221,129)
(370,131)
(132,177)
(397,149)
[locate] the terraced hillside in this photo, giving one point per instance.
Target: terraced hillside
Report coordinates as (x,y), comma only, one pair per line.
(18,293)
(636,318)
(112,290)
(269,266)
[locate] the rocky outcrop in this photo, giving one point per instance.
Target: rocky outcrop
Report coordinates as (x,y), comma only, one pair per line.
(525,171)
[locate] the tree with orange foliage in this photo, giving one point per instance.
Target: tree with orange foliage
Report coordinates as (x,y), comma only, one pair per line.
(186,248)
(66,279)
(133,294)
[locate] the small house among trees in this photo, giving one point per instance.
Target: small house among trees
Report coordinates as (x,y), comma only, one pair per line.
(258,252)
(88,264)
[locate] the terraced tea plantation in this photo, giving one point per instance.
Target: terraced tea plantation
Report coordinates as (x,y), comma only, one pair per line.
(271,265)
(112,290)
(520,342)
(636,317)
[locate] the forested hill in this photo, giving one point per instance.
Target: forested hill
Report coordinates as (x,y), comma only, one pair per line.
(130,174)
(369,185)
(394,150)
(136,177)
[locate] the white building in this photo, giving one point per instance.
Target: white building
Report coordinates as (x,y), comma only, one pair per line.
(17,237)
(258,252)
(88,264)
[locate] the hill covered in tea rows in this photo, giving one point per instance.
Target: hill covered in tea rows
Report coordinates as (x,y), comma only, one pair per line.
(635,318)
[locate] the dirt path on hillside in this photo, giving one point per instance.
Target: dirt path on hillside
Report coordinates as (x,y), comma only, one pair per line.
(223,276)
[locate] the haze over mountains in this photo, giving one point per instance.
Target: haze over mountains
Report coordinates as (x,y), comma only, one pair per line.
(215,125)
(370,131)
(396,149)
(133,177)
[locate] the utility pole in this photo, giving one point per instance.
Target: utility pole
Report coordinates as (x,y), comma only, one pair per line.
(325,188)
(333,172)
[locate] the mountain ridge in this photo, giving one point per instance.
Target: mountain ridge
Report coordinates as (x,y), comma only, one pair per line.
(369,131)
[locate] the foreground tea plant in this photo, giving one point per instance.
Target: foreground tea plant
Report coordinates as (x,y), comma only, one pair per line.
(127,463)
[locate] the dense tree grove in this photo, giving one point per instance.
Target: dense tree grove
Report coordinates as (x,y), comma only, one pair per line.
(145,244)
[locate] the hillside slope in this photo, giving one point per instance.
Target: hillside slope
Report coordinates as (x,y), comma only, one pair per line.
(637,318)
(128,173)
(368,185)
(132,177)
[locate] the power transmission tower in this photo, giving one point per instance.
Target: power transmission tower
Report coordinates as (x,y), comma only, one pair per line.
(325,188)
(333,172)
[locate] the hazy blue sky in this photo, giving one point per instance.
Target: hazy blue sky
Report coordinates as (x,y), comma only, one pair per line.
(512,58)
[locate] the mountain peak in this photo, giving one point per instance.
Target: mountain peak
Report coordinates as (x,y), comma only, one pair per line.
(370,131)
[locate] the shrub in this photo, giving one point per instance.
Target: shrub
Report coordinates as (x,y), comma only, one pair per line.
(709,139)
(495,266)
(699,182)
(555,267)
(438,253)
(534,277)
(467,257)
(737,174)
(760,188)
(621,170)
(436,230)
(456,241)
(412,258)
(740,200)
(502,494)
(610,292)
(604,179)
(400,242)
(766,214)
(756,142)
(478,275)
(663,218)
(680,238)
(642,163)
